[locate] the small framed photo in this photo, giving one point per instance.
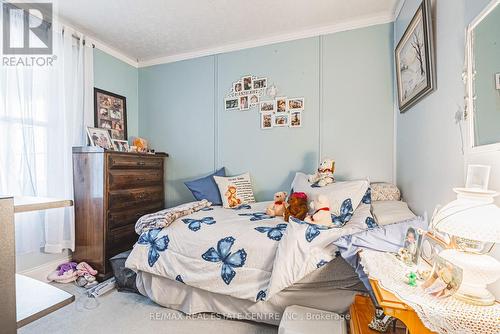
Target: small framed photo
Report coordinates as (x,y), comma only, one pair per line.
(411,244)
(430,246)
(100,137)
(296,104)
(121,145)
(266,120)
(254,100)
(295,119)
(281,104)
(244,103)
(237,86)
(260,83)
(280,120)
(268,106)
(497,81)
(231,103)
(247,83)
(444,279)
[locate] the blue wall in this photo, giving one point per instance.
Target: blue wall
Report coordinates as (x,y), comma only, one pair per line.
(118,77)
(346,79)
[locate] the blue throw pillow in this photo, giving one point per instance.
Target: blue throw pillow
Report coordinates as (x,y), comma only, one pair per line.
(206,188)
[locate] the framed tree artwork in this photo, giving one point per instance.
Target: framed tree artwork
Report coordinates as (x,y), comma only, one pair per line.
(414,56)
(110,113)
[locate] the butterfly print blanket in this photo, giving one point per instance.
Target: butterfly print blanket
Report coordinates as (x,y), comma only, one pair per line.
(243,253)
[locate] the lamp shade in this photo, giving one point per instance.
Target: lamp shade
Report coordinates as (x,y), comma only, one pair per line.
(469,219)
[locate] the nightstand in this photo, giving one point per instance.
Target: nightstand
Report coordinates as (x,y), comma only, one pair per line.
(394,307)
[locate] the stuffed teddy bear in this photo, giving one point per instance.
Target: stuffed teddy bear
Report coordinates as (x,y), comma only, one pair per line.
(321,215)
(278,207)
(297,206)
(324,174)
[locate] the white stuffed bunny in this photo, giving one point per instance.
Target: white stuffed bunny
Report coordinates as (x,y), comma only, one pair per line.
(324,174)
(321,215)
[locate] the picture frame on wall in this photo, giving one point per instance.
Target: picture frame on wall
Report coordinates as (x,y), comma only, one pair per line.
(266,120)
(295,119)
(260,83)
(267,106)
(110,113)
(295,104)
(281,104)
(497,81)
(231,103)
(247,82)
(280,120)
(414,57)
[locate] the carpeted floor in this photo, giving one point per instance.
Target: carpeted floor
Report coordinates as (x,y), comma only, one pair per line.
(122,313)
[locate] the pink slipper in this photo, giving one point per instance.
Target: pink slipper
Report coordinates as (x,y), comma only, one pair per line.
(67,277)
(83,268)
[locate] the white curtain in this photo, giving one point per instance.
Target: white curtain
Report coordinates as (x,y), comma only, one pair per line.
(44,112)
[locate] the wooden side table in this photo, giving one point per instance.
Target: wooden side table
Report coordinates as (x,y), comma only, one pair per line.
(394,307)
(362,311)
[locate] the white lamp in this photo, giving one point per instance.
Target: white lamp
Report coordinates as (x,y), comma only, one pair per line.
(473,221)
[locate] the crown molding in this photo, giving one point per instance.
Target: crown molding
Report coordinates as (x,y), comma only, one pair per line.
(112,52)
(97,43)
(314,32)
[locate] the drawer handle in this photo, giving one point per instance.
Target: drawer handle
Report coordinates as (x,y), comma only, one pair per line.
(140,179)
(141,163)
(141,196)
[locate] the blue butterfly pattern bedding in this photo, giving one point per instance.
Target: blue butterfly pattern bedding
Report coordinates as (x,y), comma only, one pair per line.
(242,253)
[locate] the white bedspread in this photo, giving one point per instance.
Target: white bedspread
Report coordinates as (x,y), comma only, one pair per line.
(242,253)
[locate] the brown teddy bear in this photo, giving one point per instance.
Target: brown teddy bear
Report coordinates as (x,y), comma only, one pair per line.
(277,208)
(297,206)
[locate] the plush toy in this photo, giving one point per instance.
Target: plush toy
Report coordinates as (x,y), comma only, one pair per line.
(324,174)
(321,215)
(297,206)
(278,207)
(141,144)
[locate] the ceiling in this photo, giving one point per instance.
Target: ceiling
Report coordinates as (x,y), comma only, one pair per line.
(147,30)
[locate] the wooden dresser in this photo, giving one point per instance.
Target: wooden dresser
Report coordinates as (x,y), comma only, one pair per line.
(112,190)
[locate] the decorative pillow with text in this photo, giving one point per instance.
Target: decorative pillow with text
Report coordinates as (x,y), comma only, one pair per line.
(235,190)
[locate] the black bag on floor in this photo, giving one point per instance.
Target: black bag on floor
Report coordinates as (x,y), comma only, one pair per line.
(125,277)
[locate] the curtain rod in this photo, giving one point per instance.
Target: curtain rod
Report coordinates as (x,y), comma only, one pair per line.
(78,38)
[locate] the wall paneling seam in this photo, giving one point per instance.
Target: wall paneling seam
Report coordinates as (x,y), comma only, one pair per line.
(320,98)
(216,112)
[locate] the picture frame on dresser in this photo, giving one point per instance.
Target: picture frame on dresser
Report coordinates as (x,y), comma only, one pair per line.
(110,113)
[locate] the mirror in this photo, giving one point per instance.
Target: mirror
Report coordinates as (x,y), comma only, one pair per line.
(483,44)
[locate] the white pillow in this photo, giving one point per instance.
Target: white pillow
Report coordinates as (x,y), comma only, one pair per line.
(389,212)
(235,190)
(337,192)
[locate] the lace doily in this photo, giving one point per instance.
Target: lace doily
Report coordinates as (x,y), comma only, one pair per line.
(441,315)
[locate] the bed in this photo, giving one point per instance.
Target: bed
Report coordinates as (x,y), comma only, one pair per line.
(243,264)
(332,287)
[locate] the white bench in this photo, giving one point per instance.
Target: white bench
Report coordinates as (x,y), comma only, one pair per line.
(304,320)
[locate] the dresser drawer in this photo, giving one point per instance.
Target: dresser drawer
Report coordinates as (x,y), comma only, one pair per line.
(117,161)
(126,179)
(119,199)
(120,239)
(129,217)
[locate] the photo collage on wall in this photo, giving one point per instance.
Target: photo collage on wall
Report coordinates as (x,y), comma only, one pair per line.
(249,92)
